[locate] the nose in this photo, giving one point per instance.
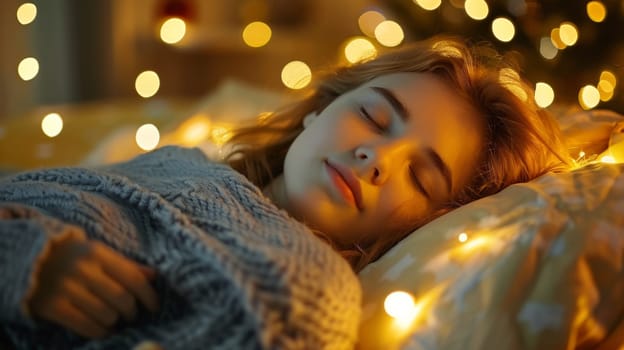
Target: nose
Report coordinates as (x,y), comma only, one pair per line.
(377,162)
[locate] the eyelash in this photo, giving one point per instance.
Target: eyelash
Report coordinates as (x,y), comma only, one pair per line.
(372,120)
(417,182)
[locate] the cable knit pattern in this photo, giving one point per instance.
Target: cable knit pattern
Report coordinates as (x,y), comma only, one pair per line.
(234,272)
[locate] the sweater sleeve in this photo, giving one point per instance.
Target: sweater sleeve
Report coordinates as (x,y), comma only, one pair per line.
(26,235)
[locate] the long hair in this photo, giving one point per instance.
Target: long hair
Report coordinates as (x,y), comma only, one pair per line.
(522,141)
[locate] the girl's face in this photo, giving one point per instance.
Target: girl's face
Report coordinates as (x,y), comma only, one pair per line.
(383,155)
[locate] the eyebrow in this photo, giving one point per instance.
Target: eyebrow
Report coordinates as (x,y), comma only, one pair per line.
(400,109)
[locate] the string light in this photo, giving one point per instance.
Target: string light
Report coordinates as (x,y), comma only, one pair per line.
(589,97)
(568,33)
(547,49)
(401,306)
(369,20)
(389,33)
(555,38)
(52,125)
(428,5)
(26,13)
(596,11)
(28,68)
(544,94)
(476,9)
(358,49)
(257,34)
(296,75)
(147,84)
(147,137)
(462,237)
(173,30)
(503,29)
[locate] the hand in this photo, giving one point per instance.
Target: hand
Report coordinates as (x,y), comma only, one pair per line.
(86,287)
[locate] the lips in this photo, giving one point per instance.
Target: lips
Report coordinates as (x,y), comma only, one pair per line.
(349,179)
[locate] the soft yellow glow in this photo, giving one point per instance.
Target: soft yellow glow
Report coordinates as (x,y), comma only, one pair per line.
(28,68)
(194,130)
(476,9)
(26,13)
(428,5)
(547,49)
(257,34)
(368,21)
(596,11)
(589,97)
(503,29)
(606,90)
(555,38)
(544,94)
(147,137)
(401,306)
(609,77)
(475,243)
(608,159)
(581,154)
(296,75)
(568,33)
(462,237)
(147,84)
(52,124)
(359,49)
(389,33)
(173,30)
(221,135)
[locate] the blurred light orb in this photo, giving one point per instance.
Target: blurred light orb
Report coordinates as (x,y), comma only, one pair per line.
(544,94)
(555,38)
(359,49)
(547,49)
(147,137)
(608,159)
(428,5)
(28,68)
(26,13)
(400,305)
(568,33)
(476,9)
(369,20)
(596,11)
(462,237)
(503,29)
(589,97)
(173,30)
(389,33)
(609,77)
(52,125)
(606,90)
(257,34)
(296,75)
(147,84)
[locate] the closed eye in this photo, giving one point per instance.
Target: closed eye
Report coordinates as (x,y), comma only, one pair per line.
(366,115)
(418,184)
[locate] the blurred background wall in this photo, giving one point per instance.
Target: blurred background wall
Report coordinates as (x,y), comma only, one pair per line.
(95,50)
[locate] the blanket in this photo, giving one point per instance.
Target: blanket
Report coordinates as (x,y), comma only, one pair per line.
(234,272)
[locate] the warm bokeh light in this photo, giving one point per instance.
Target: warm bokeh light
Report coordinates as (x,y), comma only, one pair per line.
(503,29)
(26,13)
(606,90)
(296,75)
(358,49)
(589,97)
(147,137)
(596,11)
(544,94)
(547,49)
(173,30)
(428,5)
(389,33)
(368,21)
(257,34)
(52,125)
(28,68)
(400,305)
(608,159)
(147,84)
(476,9)
(568,33)
(608,77)
(555,38)
(462,237)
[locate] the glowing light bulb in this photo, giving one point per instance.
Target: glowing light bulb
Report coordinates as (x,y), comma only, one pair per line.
(589,97)
(544,94)
(568,33)
(462,237)
(581,154)
(173,30)
(389,33)
(503,29)
(26,13)
(428,5)
(359,49)
(147,137)
(296,75)
(28,68)
(476,9)
(52,125)
(547,49)
(368,21)
(596,11)
(401,306)
(147,84)
(257,34)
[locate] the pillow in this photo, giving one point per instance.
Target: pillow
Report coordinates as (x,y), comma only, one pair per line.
(537,266)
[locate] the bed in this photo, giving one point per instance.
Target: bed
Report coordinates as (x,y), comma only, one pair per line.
(537,266)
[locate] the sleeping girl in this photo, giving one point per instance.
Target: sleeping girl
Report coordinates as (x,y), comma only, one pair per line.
(260,250)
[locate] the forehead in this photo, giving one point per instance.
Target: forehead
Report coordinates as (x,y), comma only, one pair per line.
(438,118)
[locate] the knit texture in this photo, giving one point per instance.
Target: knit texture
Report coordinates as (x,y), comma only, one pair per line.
(234,272)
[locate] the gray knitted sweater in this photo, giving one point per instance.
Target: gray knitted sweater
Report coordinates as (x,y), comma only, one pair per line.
(234,272)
